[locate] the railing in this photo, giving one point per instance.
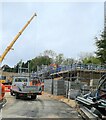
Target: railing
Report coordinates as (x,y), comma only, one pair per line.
(92,67)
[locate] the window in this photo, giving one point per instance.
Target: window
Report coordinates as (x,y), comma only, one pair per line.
(21,80)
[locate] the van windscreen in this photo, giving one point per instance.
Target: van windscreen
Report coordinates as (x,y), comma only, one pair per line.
(21,80)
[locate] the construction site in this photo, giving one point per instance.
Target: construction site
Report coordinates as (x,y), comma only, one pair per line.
(72,91)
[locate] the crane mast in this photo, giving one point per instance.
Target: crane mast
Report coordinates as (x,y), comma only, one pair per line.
(15,39)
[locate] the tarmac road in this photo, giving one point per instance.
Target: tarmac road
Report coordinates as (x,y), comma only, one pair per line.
(39,108)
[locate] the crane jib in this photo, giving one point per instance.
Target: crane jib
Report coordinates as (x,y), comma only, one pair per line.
(15,39)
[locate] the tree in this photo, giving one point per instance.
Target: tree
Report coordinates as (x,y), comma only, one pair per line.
(87,58)
(25,65)
(101,47)
(18,66)
(91,59)
(39,61)
(50,53)
(68,61)
(59,59)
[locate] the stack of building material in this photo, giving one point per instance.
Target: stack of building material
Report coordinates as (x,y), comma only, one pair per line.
(66,87)
(54,86)
(85,89)
(73,89)
(94,83)
(48,86)
(73,93)
(58,87)
(73,85)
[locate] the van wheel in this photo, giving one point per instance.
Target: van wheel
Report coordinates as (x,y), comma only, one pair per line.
(33,96)
(17,96)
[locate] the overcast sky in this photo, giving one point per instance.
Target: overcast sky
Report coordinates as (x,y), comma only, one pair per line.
(64,27)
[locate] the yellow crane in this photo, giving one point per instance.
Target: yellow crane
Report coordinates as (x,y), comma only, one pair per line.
(11,44)
(15,39)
